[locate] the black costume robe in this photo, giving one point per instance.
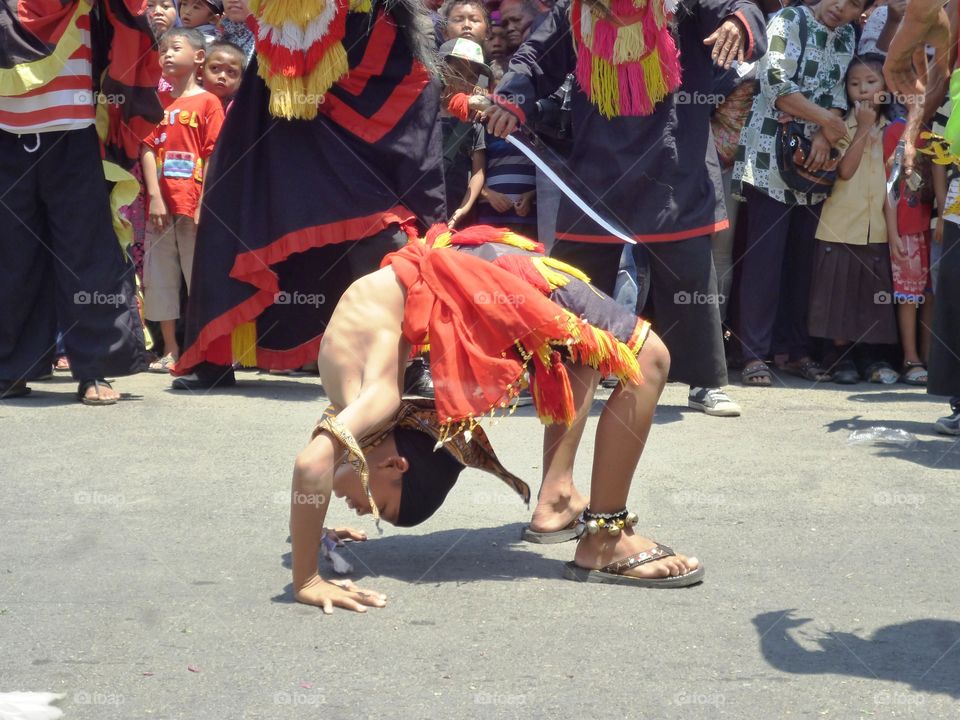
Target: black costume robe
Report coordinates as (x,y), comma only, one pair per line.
(285,199)
(646,173)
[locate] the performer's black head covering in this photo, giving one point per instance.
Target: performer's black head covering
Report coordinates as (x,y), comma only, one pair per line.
(430,476)
(434,470)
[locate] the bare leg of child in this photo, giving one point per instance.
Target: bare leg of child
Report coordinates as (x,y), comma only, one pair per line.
(168,328)
(621,435)
(907,319)
(926,322)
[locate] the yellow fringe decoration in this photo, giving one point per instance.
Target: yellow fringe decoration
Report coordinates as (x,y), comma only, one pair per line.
(564,267)
(629,45)
(442,240)
(605,87)
(602,351)
(361,6)
(653,77)
(243,340)
(278,12)
(517,241)
(299,97)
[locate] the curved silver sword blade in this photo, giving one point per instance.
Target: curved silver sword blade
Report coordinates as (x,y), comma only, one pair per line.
(567,190)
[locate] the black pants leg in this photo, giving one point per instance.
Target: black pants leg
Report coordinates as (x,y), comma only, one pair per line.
(791,334)
(600,261)
(768,229)
(94,282)
(685,297)
(28,323)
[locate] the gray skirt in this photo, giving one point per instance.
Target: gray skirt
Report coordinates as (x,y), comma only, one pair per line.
(851,296)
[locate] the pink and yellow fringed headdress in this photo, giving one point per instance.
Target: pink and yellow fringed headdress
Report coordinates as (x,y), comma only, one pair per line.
(627,59)
(300,52)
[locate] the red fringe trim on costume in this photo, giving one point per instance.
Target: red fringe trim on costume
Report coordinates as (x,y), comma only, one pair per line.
(550,387)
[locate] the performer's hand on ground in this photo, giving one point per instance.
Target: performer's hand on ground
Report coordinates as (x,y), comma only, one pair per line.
(328,594)
(525,204)
(159,216)
(498,201)
(346,533)
(500,121)
(728,43)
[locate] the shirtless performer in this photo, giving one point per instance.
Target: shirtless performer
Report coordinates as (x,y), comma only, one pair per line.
(487,327)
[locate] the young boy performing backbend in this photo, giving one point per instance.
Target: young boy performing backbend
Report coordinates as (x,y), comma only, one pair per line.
(486,327)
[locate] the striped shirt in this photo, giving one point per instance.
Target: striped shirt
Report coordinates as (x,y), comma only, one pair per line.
(66,102)
(511,173)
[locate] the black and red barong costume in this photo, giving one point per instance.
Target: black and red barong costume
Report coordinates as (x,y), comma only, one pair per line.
(328,160)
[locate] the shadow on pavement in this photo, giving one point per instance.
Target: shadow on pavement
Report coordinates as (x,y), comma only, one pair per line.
(940,452)
(923,653)
(905,395)
(665,413)
(260,390)
(458,556)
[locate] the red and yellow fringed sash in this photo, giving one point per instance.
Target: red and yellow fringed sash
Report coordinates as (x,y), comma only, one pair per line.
(300,52)
(627,59)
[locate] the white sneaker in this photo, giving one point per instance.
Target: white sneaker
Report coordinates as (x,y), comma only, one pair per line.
(712,401)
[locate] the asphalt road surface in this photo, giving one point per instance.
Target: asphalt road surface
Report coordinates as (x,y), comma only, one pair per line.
(144,568)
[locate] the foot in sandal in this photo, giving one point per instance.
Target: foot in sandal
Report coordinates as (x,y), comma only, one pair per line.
(97,392)
(626,558)
(756,372)
(165,364)
(555,520)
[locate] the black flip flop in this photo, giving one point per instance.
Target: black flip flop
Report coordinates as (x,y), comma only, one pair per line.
(95,383)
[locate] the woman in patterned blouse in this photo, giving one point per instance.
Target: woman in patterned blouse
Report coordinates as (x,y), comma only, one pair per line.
(805,81)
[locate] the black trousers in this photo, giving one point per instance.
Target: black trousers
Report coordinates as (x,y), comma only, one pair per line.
(775,274)
(683,283)
(60,262)
(945,336)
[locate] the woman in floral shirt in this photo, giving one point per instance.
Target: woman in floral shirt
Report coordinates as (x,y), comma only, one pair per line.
(805,81)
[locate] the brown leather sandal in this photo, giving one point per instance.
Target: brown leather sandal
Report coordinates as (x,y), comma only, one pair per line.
(613,573)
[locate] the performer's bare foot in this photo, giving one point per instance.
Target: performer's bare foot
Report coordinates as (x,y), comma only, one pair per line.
(602,549)
(557,512)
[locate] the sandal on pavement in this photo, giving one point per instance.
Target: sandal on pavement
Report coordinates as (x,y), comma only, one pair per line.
(914,373)
(845,373)
(549,538)
(10,390)
(758,375)
(98,400)
(163,365)
(808,370)
(613,573)
(881,372)
(62,364)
